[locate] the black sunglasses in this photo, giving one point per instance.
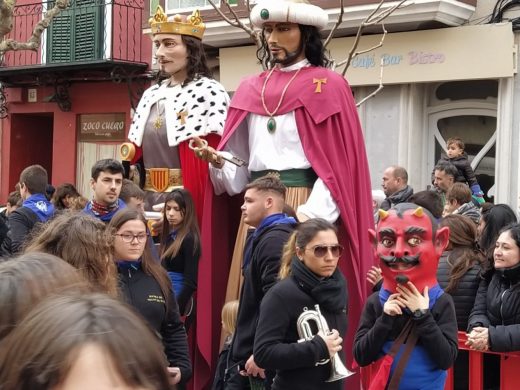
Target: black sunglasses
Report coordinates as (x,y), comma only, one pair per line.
(321,250)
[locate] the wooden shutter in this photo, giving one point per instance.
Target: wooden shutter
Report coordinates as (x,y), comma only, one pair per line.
(60,38)
(77,33)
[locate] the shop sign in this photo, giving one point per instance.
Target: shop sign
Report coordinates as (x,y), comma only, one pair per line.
(437,55)
(101,127)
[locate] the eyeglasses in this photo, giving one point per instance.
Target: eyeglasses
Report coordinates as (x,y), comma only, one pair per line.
(128,238)
(321,250)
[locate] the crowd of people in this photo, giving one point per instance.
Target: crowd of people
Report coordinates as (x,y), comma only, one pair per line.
(251,217)
(478,265)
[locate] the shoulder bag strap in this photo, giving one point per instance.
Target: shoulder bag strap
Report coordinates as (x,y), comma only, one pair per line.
(401,364)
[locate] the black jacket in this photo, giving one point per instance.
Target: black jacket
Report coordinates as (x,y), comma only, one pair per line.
(400,196)
(466,290)
(276,341)
(21,222)
(260,275)
(465,172)
(187,263)
(437,331)
(497,307)
(144,294)
(219,382)
(4,227)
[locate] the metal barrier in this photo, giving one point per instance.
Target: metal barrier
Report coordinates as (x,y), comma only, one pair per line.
(509,369)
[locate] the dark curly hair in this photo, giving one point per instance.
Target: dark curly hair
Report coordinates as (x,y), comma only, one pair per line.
(311,42)
(197,65)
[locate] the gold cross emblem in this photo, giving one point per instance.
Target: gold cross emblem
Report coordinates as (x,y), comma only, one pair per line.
(181,115)
(318,83)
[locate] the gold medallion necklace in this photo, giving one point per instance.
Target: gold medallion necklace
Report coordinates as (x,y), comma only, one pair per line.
(271,122)
(157,124)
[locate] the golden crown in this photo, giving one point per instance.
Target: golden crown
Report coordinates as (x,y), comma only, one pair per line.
(192,25)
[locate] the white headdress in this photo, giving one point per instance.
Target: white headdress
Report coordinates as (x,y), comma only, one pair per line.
(292,11)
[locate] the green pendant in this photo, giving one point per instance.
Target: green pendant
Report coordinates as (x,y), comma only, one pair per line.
(271,125)
(264,14)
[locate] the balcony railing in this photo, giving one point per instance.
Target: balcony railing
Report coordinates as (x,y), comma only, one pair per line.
(87,31)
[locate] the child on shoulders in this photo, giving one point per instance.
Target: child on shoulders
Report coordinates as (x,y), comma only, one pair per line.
(458,157)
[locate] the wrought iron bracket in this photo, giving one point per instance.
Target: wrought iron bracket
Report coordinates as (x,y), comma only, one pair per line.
(3,103)
(62,96)
(136,83)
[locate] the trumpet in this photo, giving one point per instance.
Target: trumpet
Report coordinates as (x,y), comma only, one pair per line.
(337,370)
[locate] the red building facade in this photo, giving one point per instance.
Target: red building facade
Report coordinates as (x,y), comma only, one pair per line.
(76,91)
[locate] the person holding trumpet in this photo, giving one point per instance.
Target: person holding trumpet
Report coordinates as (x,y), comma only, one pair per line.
(305,355)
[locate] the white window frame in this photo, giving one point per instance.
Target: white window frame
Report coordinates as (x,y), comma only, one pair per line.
(171,11)
(459,108)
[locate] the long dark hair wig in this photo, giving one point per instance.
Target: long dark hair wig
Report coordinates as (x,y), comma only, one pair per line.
(311,42)
(197,65)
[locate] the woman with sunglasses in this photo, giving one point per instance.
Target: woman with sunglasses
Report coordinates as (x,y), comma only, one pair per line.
(145,286)
(309,276)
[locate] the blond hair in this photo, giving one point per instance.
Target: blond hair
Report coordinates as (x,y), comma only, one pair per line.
(229,316)
(289,251)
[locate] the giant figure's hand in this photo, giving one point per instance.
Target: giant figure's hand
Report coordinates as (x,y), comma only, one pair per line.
(205,152)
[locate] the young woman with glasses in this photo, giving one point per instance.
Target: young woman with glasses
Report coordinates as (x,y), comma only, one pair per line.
(145,286)
(180,246)
(309,276)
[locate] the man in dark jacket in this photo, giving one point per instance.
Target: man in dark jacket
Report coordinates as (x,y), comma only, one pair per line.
(36,208)
(395,186)
(264,201)
(444,175)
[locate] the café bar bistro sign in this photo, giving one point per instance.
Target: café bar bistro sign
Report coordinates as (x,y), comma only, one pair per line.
(101,127)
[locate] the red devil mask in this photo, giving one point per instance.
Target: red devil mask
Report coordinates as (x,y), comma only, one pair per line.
(408,247)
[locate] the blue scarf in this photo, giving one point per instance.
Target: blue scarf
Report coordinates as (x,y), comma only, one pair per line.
(172,236)
(108,216)
(40,205)
(129,264)
(273,219)
(433,292)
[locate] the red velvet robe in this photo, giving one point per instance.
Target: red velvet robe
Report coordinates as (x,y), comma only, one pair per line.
(194,171)
(332,139)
